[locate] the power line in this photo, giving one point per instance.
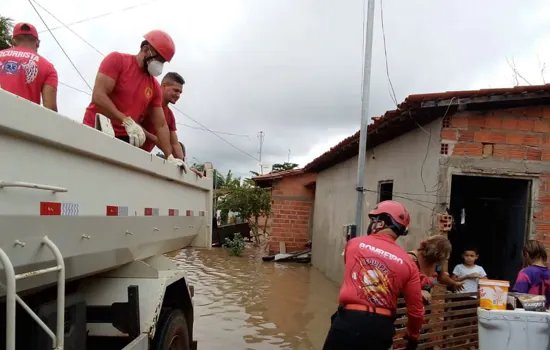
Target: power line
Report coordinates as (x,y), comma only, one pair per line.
(183,124)
(100,16)
(217,132)
(73,88)
(213,133)
(392,93)
(66,26)
(61,47)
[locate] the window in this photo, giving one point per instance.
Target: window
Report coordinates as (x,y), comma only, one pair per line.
(385,191)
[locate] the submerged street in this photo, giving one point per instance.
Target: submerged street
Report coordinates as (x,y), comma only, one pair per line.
(245,303)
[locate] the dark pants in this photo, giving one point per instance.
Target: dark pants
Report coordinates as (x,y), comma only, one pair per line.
(123,138)
(359,330)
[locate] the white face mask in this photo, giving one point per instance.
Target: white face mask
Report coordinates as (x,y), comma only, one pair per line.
(154,67)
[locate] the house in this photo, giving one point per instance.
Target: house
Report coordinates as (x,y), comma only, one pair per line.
(482,156)
(292,195)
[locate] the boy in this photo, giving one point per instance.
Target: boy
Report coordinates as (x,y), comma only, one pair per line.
(469,272)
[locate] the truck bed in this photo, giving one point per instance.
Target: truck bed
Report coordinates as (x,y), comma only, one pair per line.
(103,202)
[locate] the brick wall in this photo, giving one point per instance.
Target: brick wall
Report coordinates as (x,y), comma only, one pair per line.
(516,134)
(292,204)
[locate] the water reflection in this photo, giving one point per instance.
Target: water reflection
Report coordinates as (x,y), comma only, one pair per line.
(245,303)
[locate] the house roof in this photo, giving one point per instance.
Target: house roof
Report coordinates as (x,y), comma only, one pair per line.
(421,109)
(277,175)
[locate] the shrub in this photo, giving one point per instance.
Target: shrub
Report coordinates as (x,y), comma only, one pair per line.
(235,246)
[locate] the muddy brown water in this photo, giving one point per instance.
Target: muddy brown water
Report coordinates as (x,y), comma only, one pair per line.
(245,303)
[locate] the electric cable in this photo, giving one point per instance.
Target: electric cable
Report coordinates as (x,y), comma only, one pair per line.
(59,44)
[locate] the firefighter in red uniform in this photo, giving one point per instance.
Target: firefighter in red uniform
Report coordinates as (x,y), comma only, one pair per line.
(24,72)
(377,270)
(125,88)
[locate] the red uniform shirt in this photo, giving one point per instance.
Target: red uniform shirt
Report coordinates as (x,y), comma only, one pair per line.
(147,124)
(135,91)
(377,271)
(24,73)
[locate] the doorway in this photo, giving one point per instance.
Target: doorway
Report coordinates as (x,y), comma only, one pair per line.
(490,214)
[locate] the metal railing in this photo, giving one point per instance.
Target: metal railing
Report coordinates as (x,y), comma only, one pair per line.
(58,337)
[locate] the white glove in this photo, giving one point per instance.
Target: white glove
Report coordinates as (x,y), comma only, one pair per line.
(135,132)
(177,162)
(103,124)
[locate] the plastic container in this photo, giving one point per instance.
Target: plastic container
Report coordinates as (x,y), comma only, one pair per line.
(513,330)
(493,294)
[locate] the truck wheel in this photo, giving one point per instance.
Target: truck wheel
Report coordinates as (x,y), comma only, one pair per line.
(172,333)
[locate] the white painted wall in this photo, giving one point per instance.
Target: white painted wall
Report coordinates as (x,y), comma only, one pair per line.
(399,160)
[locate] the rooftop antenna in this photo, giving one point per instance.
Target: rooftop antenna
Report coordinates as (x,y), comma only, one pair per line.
(261,136)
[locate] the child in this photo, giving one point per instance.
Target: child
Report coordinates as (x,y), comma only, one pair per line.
(535,278)
(469,272)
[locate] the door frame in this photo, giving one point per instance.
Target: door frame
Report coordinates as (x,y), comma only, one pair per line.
(532,191)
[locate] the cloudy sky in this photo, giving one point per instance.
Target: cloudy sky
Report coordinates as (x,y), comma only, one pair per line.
(293,68)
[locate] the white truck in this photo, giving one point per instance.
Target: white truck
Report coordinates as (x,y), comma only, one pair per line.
(85,221)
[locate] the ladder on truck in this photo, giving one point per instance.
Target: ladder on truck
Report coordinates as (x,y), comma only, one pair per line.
(12,297)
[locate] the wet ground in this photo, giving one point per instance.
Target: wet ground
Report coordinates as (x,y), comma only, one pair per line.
(245,303)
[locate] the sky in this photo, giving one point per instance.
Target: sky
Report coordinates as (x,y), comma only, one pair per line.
(293,68)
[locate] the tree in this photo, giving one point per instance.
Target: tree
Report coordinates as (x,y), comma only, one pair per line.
(283,167)
(6,26)
(245,199)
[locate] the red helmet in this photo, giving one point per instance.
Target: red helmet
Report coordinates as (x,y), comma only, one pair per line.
(396,211)
(162,43)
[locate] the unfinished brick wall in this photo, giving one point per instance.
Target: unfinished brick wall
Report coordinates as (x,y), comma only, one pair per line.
(292,204)
(520,134)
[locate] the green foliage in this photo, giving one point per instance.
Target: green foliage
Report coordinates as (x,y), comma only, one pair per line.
(235,246)
(6,26)
(283,167)
(245,199)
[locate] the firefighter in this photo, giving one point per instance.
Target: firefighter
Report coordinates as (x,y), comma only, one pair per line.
(125,88)
(376,271)
(24,72)
(172,87)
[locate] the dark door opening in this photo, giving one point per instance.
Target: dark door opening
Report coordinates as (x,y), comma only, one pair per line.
(490,214)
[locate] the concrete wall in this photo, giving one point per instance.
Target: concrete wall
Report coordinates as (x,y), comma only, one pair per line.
(399,160)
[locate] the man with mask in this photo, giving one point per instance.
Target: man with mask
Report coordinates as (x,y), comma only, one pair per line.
(125,88)
(24,72)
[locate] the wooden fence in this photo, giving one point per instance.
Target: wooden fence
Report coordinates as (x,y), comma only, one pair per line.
(450,322)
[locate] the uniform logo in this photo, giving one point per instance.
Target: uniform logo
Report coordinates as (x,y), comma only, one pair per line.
(11,67)
(148,92)
(371,278)
(31,71)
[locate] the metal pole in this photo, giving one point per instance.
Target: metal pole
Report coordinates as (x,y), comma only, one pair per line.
(364,118)
(10,300)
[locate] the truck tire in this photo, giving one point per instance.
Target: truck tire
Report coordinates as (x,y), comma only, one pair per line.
(172,333)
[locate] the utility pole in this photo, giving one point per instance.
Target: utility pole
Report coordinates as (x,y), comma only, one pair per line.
(361,160)
(261,136)
(288,160)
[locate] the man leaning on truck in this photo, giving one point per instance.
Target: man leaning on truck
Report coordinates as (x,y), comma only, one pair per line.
(24,72)
(125,88)
(172,87)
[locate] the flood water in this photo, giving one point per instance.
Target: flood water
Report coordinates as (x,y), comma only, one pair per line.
(245,303)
